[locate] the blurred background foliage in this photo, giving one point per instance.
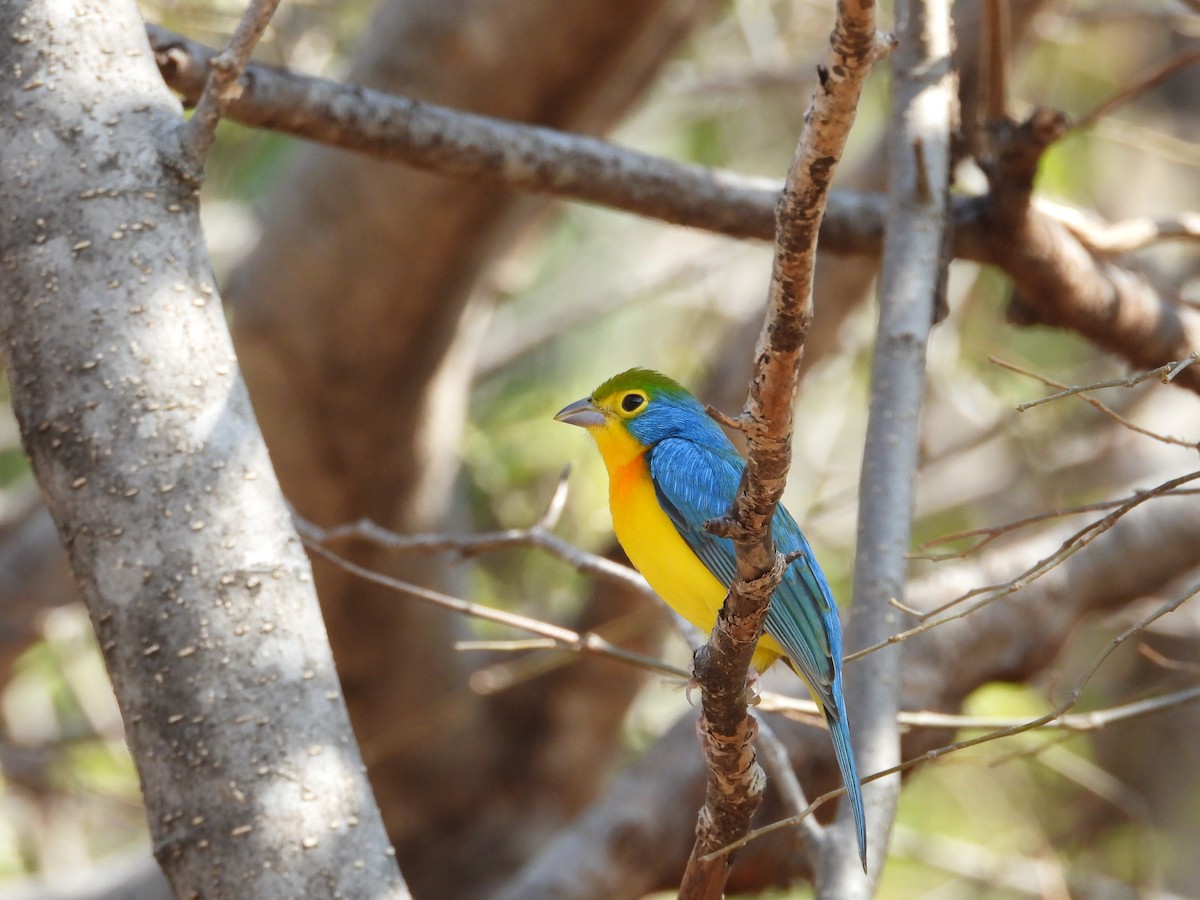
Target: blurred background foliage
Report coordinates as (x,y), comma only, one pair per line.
(590,292)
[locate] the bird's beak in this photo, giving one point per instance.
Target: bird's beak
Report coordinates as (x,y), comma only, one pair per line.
(581,413)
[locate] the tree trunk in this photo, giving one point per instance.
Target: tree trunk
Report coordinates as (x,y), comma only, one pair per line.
(142,438)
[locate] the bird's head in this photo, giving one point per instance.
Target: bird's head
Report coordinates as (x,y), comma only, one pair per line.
(636,410)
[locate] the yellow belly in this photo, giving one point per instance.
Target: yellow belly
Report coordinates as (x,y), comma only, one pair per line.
(664,558)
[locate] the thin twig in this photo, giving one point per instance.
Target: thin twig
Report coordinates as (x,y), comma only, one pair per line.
(222,88)
(1081,392)
(1179,367)
(1165,662)
(1111,239)
(1079,540)
(538,535)
(731,422)
(1130,711)
(1164,373)
(580,642)
(1071,545)
(808,712)
(992,532)
(1148,80)
(515,646)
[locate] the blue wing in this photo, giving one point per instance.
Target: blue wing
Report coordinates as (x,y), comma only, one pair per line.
(695,483)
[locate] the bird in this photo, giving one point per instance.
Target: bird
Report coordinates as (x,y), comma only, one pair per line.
(670,469)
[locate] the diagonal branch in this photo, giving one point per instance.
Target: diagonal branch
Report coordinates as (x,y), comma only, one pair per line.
(221,87)
(735,782)
(1146,82)
(1059,281)
(475,147)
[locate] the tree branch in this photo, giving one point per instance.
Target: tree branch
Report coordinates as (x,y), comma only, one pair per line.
(144,444)
(475,147)
(222,87)
(736,783)
(623,845)
(590,642)
(1058,280)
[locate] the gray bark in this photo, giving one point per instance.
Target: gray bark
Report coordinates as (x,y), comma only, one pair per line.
(142,439)
(912,282)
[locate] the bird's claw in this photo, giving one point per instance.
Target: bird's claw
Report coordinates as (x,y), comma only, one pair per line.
(753,687)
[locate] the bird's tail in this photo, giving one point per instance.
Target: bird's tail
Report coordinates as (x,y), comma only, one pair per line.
(840,732)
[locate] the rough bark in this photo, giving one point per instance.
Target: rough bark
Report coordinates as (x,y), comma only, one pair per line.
(736,782)
(143,442)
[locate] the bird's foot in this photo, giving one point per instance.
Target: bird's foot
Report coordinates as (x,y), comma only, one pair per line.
(753,687)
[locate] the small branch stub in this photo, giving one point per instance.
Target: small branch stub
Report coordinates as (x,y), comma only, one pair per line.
(223,87)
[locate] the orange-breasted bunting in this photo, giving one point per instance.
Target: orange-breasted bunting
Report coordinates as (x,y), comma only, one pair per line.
(670,469)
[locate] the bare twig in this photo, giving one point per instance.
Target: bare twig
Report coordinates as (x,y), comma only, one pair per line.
(1075,722)
(1146,82)
(1119,238)
(1163,373)
(1081,392)
(731,422)
(807,711)
(933,618)
(1072,698)
(991,533)
(503,674)
(1165,662)
(222,87)
(580,642)
(538,535)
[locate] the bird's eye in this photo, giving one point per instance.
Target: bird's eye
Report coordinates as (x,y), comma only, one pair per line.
(630,402)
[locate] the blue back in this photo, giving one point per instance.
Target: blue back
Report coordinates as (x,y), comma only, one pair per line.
(696,472)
